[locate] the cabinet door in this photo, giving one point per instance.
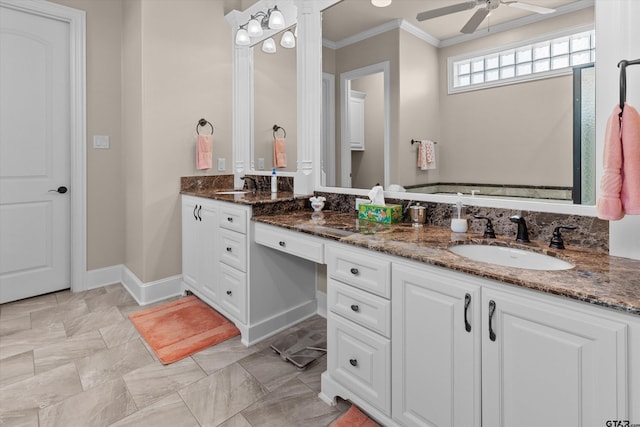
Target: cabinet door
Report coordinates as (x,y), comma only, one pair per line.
(435,348)
(189,241)
(207,257)
(546,365)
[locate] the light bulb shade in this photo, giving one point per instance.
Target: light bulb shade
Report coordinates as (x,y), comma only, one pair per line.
(276,20)
(381,3)
(295,32)
(269,46)
(254,28)
(287,40)
(242,37)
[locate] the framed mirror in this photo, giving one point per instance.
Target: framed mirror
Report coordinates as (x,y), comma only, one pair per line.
(513,137)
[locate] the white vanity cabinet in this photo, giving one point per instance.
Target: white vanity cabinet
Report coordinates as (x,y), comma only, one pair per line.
(261,291)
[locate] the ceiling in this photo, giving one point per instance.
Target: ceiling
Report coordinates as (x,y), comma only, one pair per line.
(351,17)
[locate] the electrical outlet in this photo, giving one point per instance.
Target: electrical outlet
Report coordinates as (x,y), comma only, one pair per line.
(260,163)
(222,164)
(101,141)
(361,202)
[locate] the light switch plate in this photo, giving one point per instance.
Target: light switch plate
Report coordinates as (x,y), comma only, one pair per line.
(222,164)
(101,141)
(261,163)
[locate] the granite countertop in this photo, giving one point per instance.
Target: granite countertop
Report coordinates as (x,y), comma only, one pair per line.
(597,277)
(248,198)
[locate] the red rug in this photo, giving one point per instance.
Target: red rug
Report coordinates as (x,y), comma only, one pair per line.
(354,418)
(181,328)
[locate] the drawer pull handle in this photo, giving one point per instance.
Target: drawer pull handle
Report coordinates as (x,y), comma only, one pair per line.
(355,307)
(354,271)
(467,302)
(195,208)
(199,210)
(228,248)
(230,219)
(229,293)
(282,243)
(492,310)
(353,362)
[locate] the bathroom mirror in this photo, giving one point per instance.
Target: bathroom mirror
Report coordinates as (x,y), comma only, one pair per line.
(517,136)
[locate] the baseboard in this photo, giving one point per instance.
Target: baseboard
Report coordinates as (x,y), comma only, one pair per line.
(104,276)
(266,328)
(143,293)
(321,298)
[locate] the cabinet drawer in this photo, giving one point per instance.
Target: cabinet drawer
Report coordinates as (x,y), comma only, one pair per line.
(360,360)
(233,218)
(233,249)
(291,242)
(360,268)
(233,292)
(361,307)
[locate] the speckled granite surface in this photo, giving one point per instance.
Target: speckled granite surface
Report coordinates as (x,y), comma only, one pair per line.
(597,278)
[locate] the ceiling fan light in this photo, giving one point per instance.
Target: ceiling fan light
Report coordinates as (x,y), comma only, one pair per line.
(276,20)
(269,46)
(381,3)
(254,29)
(287,40)
(242,37)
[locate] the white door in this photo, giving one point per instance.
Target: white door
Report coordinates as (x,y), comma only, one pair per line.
(34,154)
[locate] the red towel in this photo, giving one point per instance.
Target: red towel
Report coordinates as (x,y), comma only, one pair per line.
(630,193)
(279,153)
(204,152)
(609,204)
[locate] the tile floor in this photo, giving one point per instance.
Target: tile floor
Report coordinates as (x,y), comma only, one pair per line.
(74,359)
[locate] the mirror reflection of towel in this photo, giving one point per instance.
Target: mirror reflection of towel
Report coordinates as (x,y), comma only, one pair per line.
(426,155)
(204,152)
(279,153)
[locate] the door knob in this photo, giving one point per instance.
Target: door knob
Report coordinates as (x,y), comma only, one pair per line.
(60,190)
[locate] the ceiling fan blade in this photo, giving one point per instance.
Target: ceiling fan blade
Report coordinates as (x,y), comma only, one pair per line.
(474,22)
(530,7)
(429,14)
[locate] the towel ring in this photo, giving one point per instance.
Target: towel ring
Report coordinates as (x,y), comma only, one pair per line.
(203,122)
(276,128)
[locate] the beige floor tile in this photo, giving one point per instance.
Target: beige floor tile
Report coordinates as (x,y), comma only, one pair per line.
(171,411)
(58,313)
(222,394)
(41,390)
(268,367)
(311,375)
(68,296)
(151,383)
(73,348)
(16,368)
(113,298)
(29,305)
(92,321)
(15,324)
(22,341)
(28,418)
(236,421)
(97,407)
(107,365)
(119,333)
(223,354)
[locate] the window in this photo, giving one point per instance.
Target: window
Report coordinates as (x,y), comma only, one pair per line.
(529,60)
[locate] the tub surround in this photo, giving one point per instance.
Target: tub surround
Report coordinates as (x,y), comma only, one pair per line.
(597,277)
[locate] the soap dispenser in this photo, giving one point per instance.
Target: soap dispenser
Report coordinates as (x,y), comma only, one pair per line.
(274,181)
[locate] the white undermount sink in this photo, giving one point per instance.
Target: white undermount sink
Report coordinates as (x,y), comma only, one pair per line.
(510,257)
(232,192)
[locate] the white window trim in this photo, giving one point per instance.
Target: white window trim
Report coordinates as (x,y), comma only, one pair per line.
(516,79)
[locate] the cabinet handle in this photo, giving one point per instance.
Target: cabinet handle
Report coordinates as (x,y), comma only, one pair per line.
(230,219)
(282,243)
(355,307)
(353,362)
(492,310)
(228,248)
(199,209)
(467,303)
(229,293)
(354,271)
(195,207)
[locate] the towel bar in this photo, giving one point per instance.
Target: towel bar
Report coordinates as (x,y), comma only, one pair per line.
(414,141)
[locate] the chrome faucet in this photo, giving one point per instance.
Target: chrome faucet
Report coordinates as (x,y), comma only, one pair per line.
(255,183)
(523,234)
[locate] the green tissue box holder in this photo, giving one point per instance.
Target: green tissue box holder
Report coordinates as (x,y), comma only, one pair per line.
(387,214)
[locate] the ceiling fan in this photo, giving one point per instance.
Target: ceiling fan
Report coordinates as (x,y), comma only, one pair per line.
(488,5)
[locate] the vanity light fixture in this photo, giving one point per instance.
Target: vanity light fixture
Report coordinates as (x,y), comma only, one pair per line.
(288,40)
(272,19)
(269,46)
(381,3)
